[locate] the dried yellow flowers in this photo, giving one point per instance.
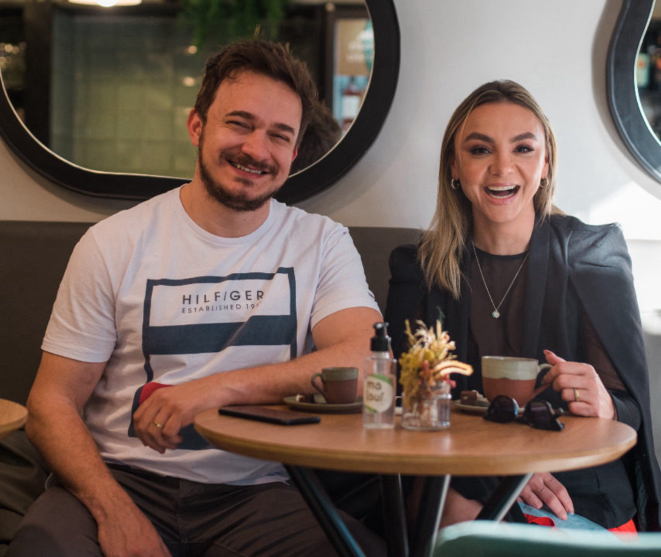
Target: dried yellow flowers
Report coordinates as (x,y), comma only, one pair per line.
(429,360)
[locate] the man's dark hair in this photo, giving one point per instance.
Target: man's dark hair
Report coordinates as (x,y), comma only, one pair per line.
(273,60)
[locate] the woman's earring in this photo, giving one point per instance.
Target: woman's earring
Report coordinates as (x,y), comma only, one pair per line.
(543,183)
(455,184)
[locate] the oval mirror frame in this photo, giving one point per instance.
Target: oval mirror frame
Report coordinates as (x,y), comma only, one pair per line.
(621,86)
(302,185)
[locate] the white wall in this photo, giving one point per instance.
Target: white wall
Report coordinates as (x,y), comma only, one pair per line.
(556,48)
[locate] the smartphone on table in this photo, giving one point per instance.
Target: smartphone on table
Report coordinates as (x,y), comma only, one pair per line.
(270,415)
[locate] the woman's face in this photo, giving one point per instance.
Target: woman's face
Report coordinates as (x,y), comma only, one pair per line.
(500,159)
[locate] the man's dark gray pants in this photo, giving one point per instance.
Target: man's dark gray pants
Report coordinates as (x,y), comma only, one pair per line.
(193,519)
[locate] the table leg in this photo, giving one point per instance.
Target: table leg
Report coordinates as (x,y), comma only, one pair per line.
(503,497)
(394,515)
(313,492)
(429,515)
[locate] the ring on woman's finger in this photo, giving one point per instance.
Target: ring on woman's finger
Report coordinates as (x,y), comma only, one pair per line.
(577,398)
(160,426)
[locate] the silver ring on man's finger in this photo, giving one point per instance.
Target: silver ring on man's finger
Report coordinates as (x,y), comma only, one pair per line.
(577,398)
(160,426)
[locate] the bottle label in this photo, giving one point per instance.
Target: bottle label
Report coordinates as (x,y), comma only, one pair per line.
(379,394)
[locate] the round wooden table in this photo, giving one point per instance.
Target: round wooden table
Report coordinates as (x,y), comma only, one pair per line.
(12,416)
(471,446)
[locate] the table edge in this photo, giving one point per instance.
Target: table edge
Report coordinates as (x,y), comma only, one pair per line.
(8,428)
(339,460)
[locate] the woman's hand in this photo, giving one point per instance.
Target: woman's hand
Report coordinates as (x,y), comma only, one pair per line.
(580,386)
(542,489)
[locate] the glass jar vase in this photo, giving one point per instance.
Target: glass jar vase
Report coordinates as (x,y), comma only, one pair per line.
(428,409)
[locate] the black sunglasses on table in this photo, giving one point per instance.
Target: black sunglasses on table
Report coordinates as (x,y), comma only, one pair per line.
(537,413)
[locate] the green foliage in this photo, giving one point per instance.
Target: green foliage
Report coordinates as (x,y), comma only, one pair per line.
(229,20)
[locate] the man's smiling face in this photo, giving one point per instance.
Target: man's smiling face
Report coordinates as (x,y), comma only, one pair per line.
(247,145)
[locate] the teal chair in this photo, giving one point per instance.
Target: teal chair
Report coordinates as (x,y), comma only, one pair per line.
(491,539)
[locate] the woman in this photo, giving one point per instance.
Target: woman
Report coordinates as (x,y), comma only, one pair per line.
(510,275)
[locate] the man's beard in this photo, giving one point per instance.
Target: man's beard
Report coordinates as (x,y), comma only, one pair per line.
(234,201)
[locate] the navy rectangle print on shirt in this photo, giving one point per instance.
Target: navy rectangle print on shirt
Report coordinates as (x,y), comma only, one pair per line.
(208,315)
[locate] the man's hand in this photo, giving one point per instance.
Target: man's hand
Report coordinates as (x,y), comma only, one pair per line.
(160,418)
(128,533)
(580,385)
(542,489)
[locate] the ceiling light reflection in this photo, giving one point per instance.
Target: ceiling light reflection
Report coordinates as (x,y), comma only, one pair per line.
(107,3)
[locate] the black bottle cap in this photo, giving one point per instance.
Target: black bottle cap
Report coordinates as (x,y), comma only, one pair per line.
(380,340)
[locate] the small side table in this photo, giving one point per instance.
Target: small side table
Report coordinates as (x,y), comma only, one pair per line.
(12,416)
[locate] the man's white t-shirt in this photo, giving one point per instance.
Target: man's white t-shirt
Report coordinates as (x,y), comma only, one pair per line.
(163,301)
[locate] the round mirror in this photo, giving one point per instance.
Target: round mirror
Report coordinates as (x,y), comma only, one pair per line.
(648,72)
(633,83)
(359,76)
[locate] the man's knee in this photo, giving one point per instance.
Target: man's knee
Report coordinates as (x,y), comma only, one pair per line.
(277,521)
(57,524)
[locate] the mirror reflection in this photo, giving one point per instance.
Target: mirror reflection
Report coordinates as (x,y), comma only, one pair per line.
(110,89)
(648,72)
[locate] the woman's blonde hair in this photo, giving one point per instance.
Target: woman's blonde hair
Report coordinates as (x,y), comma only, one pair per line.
(443,243)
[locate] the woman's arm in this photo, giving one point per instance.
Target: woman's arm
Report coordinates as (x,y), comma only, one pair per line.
(626,408)
(593,387)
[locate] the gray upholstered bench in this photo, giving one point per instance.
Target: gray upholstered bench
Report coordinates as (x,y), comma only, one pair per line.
(33,257)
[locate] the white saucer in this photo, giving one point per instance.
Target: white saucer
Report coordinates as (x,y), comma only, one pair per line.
(322,407)
(469,408)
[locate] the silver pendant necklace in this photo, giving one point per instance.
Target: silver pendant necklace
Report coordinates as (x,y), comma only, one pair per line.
(496,314)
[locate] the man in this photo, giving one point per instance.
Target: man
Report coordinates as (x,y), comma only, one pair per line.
(218,293)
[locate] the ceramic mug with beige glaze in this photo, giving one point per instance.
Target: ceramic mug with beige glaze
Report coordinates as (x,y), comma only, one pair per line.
(513,377)
(339,385)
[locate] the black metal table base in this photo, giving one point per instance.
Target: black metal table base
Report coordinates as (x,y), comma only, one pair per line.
(429,514)
(313,492)
(503,497)
(394,515)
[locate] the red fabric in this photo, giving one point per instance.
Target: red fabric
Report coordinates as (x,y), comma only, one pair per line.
(627,528)
(539,520)
(148,389)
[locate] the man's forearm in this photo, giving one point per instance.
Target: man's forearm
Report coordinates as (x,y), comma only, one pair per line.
(267,384)
(342,339)
(66,444)
(271,383)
